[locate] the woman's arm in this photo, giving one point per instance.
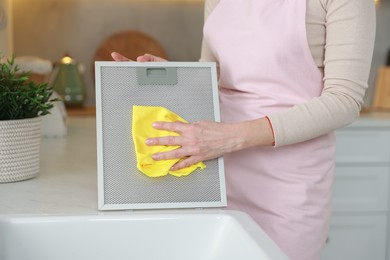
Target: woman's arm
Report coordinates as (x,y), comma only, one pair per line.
(350,33)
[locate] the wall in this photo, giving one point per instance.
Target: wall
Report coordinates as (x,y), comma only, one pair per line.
(50,28)
(382,44)
(6,28)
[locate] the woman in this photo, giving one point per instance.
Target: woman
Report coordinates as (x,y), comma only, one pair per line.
(290,73)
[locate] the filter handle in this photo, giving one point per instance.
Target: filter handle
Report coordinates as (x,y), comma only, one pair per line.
(157,75)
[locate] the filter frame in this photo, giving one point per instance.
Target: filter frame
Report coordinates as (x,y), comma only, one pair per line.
(108,74)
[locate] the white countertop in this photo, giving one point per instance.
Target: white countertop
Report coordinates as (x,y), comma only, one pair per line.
(67,181)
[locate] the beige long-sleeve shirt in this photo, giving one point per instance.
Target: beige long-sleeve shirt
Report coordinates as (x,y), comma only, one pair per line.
(341,37)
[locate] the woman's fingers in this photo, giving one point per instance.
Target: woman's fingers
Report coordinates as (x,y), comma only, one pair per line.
(149,57)
(143,58)
(119,57)
(171,126)
(173,154)
(166,140)
(187,162)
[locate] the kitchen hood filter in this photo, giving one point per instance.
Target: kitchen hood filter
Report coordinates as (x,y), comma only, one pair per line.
(188,89)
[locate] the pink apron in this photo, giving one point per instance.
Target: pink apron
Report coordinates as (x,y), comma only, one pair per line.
(266,67)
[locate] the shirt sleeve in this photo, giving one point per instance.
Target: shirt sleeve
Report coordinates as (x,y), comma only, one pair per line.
(350,33)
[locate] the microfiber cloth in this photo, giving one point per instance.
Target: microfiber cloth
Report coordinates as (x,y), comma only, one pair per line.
(143,118)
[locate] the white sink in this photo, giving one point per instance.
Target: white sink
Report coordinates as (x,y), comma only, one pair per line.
(171,235)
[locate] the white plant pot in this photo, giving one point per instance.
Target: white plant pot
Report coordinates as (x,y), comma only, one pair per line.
(19,149)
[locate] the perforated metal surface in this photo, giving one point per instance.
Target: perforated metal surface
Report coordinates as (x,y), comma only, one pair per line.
(194,97)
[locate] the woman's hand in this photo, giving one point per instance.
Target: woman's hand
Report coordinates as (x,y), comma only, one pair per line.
(143,58)
(198,141)
(206,140)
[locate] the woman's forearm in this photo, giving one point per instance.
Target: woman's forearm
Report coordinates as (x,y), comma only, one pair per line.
(256,132)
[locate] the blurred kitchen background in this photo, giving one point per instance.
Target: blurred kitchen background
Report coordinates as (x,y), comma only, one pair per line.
(49,29)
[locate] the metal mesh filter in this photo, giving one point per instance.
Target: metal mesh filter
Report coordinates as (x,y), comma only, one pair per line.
(192,95)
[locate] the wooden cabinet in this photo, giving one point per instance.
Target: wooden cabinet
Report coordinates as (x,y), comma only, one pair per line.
(360,218)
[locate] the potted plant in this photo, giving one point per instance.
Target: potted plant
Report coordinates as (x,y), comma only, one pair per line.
(23,102)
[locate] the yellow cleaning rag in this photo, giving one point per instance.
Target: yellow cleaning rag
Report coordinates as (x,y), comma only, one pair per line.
(143,118)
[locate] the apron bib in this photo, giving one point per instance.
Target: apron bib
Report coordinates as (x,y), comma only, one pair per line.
(266,67)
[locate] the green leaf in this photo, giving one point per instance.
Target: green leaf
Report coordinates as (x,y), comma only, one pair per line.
(19,96)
